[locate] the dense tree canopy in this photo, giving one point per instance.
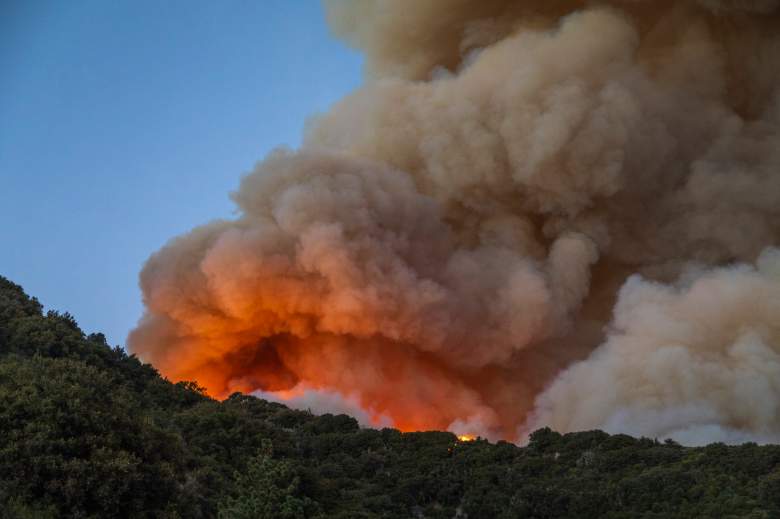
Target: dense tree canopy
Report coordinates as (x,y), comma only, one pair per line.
(87,431)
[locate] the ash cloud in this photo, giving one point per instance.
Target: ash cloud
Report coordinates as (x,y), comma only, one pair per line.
(453,240)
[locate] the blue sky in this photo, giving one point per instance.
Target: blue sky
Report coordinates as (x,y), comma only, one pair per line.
(126,122)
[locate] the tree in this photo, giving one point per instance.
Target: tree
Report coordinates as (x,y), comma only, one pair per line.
(268,489)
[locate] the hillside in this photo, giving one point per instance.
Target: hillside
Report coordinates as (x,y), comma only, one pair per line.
(87,431)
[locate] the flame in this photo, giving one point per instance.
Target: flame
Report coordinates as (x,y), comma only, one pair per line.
(466,437)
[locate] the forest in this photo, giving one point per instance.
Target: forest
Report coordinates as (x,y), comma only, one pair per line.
(88,431)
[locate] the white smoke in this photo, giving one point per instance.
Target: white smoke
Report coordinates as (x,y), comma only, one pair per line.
(327,402)
(698,361)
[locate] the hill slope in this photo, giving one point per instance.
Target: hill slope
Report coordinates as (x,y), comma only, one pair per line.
(88,431)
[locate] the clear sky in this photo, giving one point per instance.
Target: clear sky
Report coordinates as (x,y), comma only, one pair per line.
(126,122)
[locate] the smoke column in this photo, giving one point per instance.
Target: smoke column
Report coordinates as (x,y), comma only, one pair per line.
(533,213)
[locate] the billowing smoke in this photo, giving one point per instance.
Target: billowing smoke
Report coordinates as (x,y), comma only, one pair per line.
(697,361)
(533,213)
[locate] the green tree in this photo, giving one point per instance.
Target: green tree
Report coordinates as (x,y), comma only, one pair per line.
(268,489)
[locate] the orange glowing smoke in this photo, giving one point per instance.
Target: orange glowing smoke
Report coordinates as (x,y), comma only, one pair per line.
(384,308)
(415,390)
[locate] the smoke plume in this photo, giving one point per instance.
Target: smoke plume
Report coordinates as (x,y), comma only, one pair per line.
(532,213)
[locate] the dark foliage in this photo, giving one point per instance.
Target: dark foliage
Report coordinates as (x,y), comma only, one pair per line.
(87,431)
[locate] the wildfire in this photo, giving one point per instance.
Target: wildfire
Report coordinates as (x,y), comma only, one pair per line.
(456,269)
